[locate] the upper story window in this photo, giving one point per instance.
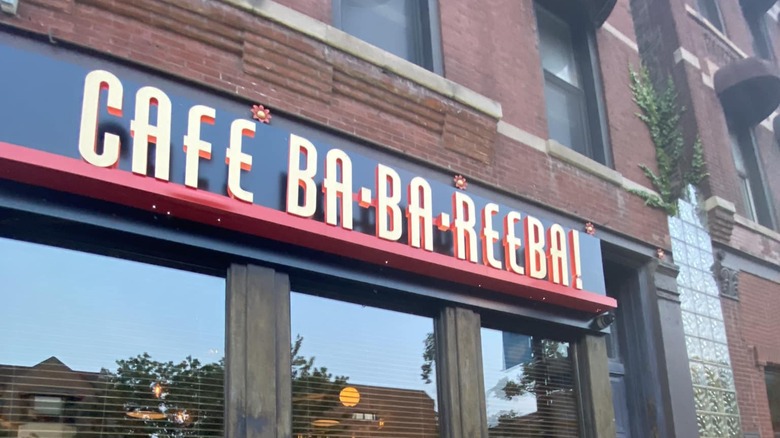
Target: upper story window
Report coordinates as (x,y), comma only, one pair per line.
(755,202)
(710,10)
(762,44)
(406,28)
(570,79)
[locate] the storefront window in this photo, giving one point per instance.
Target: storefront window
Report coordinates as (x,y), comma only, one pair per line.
(99,346)
(360,371)
(529,385)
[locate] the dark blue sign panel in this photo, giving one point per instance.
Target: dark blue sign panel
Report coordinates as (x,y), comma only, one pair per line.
(101,129)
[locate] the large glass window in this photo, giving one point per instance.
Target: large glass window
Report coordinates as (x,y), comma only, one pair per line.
(573,118)
(755,203)
(360,371)
(530,386)
(709,10)
(99,346)
(401,27)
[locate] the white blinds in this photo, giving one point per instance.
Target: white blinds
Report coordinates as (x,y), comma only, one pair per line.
(359,371)
(530,386)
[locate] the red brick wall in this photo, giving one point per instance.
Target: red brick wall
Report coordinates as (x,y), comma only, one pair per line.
(629,137)
(757,244)
(622,19)
(752,327)
(231,50)
(491,46)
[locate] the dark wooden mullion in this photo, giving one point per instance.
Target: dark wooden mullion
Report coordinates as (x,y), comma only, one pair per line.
(257,382)
(283,341)
(459,374)
(597,415)
(235,352)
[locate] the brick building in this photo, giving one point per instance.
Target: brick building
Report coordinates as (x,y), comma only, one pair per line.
(722,57)
(474,217)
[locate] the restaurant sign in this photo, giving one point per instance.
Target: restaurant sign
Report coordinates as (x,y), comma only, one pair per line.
(122,136)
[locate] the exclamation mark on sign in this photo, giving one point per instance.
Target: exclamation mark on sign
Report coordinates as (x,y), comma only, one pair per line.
(574,256)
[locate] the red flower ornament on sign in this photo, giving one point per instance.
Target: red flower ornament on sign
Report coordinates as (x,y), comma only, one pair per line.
(460,182)
(261,113)
(590,228)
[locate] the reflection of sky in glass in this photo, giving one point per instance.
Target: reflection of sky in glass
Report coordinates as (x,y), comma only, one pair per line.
(496,377)
(90,310)
(370,346)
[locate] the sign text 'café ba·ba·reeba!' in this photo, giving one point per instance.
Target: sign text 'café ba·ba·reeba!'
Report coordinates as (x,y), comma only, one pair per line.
(491,247)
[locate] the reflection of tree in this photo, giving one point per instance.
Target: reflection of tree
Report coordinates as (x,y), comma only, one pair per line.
(315,391)
(429,357)
(145,397)
(538,377)
(547,376)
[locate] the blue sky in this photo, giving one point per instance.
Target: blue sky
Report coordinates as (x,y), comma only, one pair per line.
(90,310)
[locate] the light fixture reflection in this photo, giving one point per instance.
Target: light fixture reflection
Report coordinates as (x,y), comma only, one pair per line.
(181,417)
(157,389)
(349,396)
(324,423)
(146,415)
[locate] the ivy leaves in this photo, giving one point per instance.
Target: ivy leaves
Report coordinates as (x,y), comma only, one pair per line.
(661,115)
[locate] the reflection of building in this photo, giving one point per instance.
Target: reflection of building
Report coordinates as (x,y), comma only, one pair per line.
(46,400)
(379,412)
(50,400)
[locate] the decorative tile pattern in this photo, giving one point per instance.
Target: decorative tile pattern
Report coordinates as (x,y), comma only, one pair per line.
(717,413)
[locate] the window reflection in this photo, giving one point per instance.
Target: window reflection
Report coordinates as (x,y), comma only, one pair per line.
(360,371)
(529,384)
(97,346)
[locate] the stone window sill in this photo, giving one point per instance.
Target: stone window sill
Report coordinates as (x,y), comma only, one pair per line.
(707,25)
(758,228)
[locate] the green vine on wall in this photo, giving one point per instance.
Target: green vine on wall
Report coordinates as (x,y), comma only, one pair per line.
(659,111)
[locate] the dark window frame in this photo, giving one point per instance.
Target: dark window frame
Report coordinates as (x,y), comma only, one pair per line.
(594,117)
(762,42)
(427,33)
(710,10)
(550,332)
(772,370)
(757,202)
